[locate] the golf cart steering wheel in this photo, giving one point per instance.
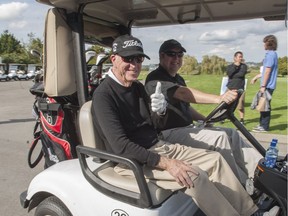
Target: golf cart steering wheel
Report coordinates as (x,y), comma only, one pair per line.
(223,110)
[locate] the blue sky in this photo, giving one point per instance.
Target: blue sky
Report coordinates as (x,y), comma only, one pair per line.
(220,38)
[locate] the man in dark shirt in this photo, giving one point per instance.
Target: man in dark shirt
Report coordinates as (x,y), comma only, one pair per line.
(122,107)
(176,123)
(236,80)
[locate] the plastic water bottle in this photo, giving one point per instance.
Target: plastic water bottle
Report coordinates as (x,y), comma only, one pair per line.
(271,154)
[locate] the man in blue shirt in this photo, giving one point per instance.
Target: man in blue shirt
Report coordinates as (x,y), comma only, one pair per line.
(268,79)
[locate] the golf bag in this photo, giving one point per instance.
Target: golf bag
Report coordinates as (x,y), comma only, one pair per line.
(55,128)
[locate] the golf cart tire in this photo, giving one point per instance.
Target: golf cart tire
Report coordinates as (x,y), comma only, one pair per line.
(52,206)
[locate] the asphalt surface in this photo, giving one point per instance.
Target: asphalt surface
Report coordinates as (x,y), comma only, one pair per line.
(16,134)
(265,138)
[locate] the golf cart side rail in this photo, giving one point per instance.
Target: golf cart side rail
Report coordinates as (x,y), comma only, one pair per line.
(142,199)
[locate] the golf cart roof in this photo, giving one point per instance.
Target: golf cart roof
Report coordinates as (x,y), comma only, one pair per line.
(141,13)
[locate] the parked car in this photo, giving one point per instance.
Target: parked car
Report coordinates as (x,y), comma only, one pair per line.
(33,70)
(17,71)
(3,73)
(88,185)
(22,76)
(4,77)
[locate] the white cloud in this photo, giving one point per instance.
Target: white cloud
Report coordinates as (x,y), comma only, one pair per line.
(12,10)
(219,36)
(223,49)
(18,25)
(270,27)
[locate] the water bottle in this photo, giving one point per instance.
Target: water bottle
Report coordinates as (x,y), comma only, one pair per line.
(271,154)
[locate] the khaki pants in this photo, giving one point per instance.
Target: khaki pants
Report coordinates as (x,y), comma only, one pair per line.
(216,190)
(241,103)
(241,156)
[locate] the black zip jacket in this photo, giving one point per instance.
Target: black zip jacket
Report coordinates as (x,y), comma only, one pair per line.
(122,118)
(236,75)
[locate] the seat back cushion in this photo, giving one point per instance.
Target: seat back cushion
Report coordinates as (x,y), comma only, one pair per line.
(90,138)
(86,126)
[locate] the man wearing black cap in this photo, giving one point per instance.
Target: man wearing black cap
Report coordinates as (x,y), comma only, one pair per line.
(121,110)
(176,123)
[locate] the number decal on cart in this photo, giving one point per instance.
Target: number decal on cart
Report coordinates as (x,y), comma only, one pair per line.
(118,212)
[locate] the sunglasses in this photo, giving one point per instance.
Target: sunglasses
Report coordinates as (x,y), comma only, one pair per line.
(131,59)
(174,54)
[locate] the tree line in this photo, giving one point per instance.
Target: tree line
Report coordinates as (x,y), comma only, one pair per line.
(217,65)
(13,51)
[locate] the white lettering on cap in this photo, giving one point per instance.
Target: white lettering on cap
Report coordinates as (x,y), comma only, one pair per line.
(131,43)
(114,47)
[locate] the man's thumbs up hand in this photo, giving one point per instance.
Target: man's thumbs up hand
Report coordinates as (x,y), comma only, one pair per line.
(158,88)
(158,102)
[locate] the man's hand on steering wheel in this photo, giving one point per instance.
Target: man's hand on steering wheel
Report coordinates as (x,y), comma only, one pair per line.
(226,107)
(229,96)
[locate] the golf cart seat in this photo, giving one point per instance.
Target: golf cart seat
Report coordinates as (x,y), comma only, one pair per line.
(136,191)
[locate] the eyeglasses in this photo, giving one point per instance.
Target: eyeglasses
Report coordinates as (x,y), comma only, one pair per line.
(131,59)
(174,54)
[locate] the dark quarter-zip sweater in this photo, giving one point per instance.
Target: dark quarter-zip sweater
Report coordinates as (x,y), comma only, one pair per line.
(122,117)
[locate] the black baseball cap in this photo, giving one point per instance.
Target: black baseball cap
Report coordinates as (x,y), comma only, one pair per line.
(127,45)
(171,44)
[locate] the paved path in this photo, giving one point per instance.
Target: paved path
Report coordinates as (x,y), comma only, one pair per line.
(265,138)
(16,134)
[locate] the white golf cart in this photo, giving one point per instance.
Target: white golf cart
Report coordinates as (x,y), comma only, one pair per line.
(33,70)
(17,72)
(3,75)
(88,185)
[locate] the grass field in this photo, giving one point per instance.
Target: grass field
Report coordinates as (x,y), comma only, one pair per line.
(212,84)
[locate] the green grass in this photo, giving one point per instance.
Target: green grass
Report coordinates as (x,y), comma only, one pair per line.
(211,84)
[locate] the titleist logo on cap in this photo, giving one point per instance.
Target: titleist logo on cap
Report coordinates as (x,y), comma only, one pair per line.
(126,44)
(132,43)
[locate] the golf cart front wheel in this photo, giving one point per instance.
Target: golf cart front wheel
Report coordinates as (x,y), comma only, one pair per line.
(52,206)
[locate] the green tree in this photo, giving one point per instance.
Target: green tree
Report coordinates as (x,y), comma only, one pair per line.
(12,51)
(190,66)
(206,65)
(98,49)
(213,65)
(282,66)
(33,44)
(10,48)
(9,44)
